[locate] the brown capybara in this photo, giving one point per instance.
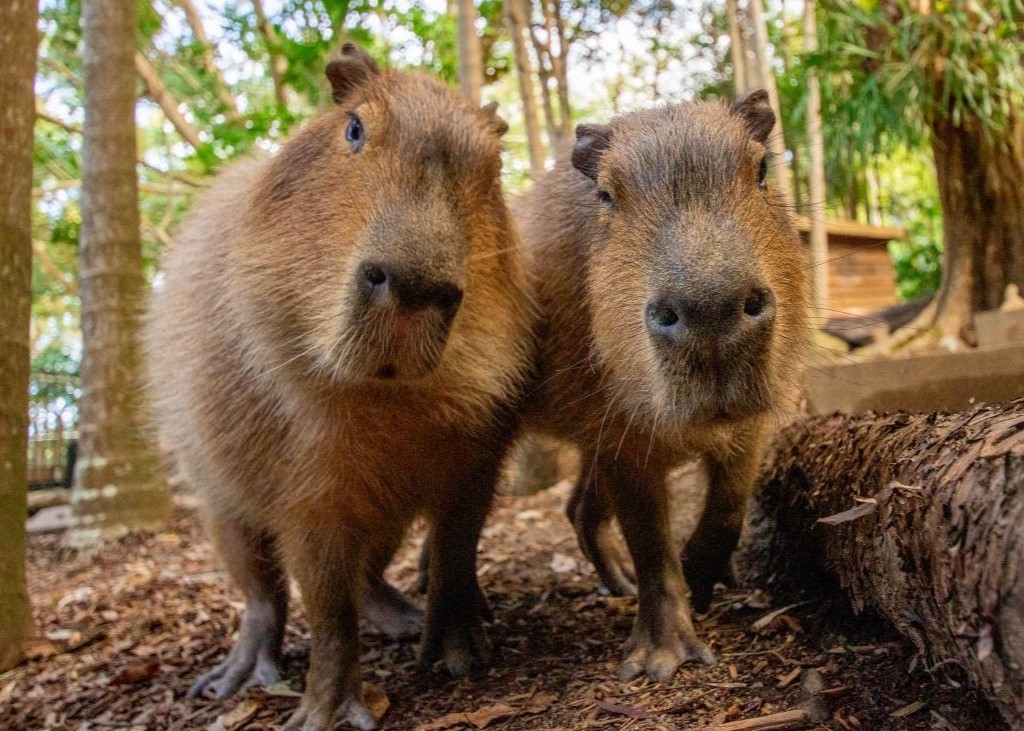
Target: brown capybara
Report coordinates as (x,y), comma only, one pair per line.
(672,291)
(341,336)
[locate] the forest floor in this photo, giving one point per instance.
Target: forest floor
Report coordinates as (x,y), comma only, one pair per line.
(124,630)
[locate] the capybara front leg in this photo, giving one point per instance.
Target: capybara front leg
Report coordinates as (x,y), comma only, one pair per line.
(330,572)
(663,635)
(253,564)
(590,512)
(707,557)
(456,606)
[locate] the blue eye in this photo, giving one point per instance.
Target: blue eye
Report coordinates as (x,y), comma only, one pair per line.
(354,134)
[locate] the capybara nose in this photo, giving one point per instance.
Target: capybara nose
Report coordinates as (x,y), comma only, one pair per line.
(411,290)
(673,317)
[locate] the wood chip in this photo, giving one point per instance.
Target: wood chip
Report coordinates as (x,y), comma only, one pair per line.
(908,710)
(772,722)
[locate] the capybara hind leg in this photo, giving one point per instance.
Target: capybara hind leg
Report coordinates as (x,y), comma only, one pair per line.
(663,635)
(254,565)
(386,607)
(329,571)
(707,557)
(590,512)
(456,606)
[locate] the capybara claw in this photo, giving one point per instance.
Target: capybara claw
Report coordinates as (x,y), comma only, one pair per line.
(238,671)
(310,718)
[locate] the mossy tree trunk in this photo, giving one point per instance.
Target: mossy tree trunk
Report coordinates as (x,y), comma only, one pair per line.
(117,481)
(17,116)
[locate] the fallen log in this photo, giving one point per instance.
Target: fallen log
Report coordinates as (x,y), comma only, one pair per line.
(920,518)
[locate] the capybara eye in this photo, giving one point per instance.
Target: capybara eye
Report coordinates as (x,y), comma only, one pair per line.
(762,174)
(354,134)
(605,197)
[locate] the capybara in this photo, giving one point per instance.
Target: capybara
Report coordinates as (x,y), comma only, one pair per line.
(339,344)
(672,289)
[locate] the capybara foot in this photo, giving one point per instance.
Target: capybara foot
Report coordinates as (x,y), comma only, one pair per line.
(247,665)
(392,612)
(318,716)
(457,637)
(659,648)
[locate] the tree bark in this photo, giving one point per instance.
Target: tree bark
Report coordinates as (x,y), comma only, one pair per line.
(117,482)
(816,187)
(776,141)
(737,49)
(560,65)
(17,117)
(918,518)
(168,104)
(471,62)
(515,16)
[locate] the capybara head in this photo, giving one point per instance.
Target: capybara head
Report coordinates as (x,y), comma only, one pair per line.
(697,283)
(377,229)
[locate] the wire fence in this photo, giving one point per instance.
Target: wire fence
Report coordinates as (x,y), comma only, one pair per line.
(52,429)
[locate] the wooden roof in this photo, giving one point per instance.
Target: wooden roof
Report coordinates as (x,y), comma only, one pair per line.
(852,232)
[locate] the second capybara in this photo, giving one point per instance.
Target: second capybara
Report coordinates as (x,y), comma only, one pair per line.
(672,287)
(339,344)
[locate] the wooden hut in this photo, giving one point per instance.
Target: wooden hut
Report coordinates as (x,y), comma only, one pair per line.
(860,271)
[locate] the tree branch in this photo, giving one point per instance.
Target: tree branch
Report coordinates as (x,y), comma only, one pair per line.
(48,265)
(278,63)
(195,22)
(156,89)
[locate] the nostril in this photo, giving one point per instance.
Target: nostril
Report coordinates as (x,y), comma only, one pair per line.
(374,274)
(662,315)
(759,300)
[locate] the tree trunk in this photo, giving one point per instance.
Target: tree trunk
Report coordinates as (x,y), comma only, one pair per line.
(471,63)
(117,483)
(918,518)
(776,141)
(515,15)
(560,67)
(737,49)
(816,187)
(17,116)
(981,186)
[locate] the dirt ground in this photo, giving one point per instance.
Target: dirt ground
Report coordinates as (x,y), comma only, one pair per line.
(123,631)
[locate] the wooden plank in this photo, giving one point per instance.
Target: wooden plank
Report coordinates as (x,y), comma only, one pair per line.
(854,230)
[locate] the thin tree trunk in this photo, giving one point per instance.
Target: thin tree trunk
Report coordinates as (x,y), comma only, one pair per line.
(195,22)
(560,68)
(471,63)
(515,13)
(737,49)
(17,116)
(816,143)
(278,63)
(158,92)
(117,482)
(776,141)
(542,51)
(917,517)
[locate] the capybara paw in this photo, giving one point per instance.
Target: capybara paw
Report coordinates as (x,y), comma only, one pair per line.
(661,660)
(463,646)
(239,670)
(393,613)
(313,716)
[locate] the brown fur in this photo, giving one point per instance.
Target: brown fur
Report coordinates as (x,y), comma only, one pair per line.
(686,212)
(316,429)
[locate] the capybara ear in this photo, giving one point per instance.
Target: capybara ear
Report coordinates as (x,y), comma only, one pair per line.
(350,68)
(499,125)
(756,111)
(591,141)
